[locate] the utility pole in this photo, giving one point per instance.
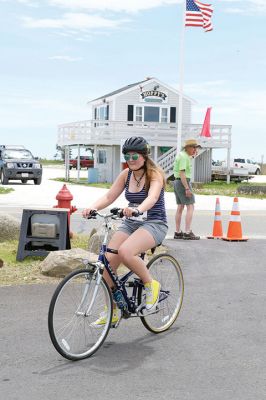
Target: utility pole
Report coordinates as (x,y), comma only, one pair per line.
(261,163)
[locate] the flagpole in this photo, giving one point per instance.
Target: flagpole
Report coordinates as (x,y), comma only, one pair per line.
(181,80)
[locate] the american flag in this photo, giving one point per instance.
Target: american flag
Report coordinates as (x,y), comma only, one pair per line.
(198,14)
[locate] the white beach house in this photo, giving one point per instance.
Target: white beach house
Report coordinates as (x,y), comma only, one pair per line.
(148,108)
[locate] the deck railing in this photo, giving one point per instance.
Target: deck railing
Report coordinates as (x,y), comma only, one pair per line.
(159,134)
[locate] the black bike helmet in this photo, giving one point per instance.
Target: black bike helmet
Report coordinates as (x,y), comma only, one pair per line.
(136,143)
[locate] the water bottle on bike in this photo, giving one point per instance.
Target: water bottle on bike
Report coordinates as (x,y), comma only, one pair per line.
(120,300)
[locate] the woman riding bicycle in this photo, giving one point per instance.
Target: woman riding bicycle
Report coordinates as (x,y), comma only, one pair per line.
(145,225)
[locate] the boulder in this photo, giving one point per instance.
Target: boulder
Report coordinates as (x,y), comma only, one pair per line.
(60,263)
(96,238)
(251,189)
(10,228)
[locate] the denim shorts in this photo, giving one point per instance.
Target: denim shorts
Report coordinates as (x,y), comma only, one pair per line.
(157,228)
(180,193)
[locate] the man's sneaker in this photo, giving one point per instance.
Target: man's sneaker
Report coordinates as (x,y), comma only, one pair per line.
(190,236)
(178,235)
(152,291)
(103,317)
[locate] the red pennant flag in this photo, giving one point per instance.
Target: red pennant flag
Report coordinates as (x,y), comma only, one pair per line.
(206,131)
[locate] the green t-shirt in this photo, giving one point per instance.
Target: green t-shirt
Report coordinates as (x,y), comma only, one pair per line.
(182,163)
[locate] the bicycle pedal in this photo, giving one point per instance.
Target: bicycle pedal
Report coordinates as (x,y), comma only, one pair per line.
(113,326)
(140,308)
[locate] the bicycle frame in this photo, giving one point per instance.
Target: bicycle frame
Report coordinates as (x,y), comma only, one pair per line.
(119,283)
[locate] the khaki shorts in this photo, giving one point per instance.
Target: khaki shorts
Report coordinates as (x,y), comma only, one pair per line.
(180,193)
(158,229)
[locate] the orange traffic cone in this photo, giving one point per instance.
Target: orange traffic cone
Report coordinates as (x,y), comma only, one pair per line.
(217,232)
(234,232)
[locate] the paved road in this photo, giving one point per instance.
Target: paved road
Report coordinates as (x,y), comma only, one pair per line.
(253,222)
(216,349)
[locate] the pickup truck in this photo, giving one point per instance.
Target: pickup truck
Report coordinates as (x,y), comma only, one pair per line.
(17,163)
(251,166)
(85,162)
(219,172)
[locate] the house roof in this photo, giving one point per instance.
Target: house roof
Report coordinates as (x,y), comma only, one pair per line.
(132,85)
(121,89)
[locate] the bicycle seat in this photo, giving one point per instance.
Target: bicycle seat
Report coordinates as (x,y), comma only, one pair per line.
(154,248)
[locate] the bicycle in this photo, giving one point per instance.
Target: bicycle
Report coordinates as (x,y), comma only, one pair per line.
(83,294)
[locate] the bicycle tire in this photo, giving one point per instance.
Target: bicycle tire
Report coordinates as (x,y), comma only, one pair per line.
(72,332)
(167,271)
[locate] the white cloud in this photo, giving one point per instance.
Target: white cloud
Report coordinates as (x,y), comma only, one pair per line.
(246,7)
(79,21)
(129,6)
(33,112)
(65,58)
(229,104)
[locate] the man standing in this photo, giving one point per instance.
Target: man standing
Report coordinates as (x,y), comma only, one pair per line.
(183,189)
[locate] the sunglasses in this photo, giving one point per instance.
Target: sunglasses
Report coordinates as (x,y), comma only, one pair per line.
(133,157)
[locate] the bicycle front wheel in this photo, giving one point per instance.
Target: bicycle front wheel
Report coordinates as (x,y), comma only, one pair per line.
(166,270)
(76,305)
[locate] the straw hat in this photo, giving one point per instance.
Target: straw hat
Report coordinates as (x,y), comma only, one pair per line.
(191,142)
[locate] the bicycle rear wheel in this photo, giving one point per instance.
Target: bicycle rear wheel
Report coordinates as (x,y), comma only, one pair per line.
(76,304)
(165,269)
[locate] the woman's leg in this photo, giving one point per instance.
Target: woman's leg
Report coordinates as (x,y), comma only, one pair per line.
(138,242)
(114,259)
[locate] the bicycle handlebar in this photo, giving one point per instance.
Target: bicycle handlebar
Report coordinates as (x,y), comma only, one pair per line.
(114,212)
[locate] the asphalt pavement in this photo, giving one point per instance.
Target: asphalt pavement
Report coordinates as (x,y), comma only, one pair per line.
(215,350)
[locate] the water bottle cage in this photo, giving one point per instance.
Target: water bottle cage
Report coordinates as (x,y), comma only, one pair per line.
(119,299)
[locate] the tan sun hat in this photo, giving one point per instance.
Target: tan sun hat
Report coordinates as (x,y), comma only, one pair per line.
(191,142)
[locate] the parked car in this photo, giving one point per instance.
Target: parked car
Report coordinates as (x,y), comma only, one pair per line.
(252,167)
(17,163)
(85,162)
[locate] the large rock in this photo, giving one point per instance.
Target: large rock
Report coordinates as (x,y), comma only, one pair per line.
(60,263)
(96,239)
(10,228)
(251,189)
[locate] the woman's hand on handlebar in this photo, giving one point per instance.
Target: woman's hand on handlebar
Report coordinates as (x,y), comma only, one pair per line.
(131,212)
(87,212)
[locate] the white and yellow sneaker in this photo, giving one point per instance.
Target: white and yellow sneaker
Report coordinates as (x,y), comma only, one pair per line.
(152,291)
(103,317)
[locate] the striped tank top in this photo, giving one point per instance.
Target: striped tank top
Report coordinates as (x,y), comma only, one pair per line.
(157,212)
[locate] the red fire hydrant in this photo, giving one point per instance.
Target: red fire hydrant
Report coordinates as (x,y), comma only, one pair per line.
(64,198)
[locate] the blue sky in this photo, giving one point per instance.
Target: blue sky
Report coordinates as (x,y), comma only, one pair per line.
(58,54)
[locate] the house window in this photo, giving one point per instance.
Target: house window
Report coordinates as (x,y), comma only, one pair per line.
(101,159)
(164,115)
(102,113)
(138,113)
(151,114)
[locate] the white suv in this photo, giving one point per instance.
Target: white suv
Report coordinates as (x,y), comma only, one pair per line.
(251,166)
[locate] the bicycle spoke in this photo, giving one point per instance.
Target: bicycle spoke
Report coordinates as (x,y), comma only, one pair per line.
(166,270)
(70,326)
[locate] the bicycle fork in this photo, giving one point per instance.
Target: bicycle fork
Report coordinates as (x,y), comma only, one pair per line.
(97,276)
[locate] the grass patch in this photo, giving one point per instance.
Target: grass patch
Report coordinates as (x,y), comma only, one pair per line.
(43,161)
(222,189)
(84,182)
(5,190)
(28,271)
